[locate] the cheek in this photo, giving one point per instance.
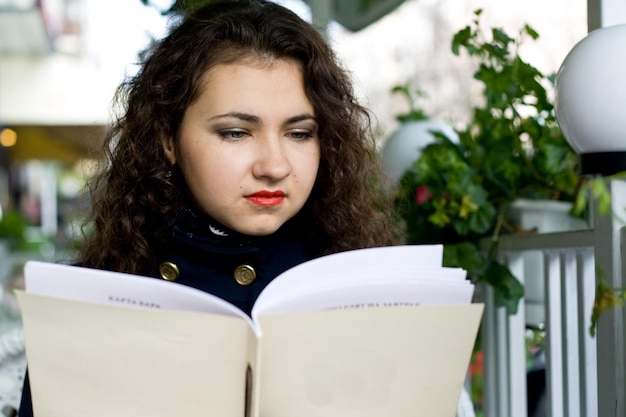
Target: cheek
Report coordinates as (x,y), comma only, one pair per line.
(202,171)
(313,161)
(307,167)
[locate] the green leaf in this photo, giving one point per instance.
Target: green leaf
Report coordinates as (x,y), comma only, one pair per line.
(463,255)
(439,218)
(483,220)
(532,32)
(501,38)
(508,291)
(13,224)
(606,298)
(460,39)
(581,202)
(415,113)
(186,5)
(553,158)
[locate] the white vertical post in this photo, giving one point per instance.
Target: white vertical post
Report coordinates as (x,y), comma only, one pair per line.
(495,349)
(48,197)
(588,358)
(489,343)
(611,329)
(516,346)
(571,374)
(603,13)
(503,381)
(611,324)
(554,349)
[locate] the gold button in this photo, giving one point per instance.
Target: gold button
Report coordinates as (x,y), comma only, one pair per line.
(169,271)
(244,274)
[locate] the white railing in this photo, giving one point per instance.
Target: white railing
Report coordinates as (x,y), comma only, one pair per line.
(584,374)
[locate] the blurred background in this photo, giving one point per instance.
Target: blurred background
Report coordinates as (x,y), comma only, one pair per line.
(60,61)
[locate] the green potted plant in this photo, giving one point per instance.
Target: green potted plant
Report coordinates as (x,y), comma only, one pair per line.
(459,192)
(13,225)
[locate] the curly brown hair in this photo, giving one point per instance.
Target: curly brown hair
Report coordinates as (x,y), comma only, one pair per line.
(135,196)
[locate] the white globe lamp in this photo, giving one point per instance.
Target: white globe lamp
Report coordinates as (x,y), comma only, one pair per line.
(591,100)
(405,144)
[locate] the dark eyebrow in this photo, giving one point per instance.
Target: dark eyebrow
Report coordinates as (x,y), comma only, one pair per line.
(238,115)
(301,117)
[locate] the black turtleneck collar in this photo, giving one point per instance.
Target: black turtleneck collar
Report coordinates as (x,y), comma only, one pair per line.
(200,231)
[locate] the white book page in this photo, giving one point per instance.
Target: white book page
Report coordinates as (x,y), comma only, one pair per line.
(96,360)
(398,274)
(373,362)
(106,287)
(372,294)
(351,265)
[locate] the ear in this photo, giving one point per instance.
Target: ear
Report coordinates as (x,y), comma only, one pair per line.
(169,149)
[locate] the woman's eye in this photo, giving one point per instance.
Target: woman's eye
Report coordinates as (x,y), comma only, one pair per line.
(232,134)
(300,135)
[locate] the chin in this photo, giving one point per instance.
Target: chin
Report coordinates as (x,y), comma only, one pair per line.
(258,230)
(258,233)
(258,225)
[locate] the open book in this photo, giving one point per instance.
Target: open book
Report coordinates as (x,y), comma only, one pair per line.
(371,332)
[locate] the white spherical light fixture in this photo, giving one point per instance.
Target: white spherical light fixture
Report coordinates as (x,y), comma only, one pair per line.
(404,146)
(591,100)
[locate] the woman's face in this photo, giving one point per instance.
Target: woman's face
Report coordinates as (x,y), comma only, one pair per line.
(248,147)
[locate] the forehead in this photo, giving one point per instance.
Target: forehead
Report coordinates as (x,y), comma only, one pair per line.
(255,74)
(251,61)
(251,83)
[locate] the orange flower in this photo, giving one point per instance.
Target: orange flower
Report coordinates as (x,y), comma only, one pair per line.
(476,366)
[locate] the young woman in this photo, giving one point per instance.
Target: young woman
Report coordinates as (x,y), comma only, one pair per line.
(240,151)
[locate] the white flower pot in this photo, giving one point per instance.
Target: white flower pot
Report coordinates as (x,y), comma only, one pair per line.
(405,144)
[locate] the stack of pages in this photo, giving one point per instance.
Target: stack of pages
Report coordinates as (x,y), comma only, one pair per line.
(364,333)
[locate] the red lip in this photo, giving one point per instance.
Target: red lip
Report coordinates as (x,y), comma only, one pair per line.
(266,198)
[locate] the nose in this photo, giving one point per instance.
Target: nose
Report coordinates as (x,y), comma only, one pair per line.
(272,161)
